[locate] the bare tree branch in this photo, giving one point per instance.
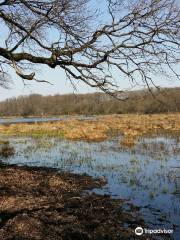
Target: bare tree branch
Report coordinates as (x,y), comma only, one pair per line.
(136,40)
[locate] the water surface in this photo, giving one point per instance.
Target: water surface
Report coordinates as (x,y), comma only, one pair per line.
(147,175)
(17,120)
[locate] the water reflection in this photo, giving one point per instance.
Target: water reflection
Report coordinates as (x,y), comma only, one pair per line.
(147,175)
(17,120)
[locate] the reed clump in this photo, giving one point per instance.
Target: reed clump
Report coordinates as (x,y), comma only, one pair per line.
(6,150)
(130,126)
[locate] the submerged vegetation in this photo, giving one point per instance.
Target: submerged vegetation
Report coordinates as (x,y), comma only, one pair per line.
(133,163)
(133,169)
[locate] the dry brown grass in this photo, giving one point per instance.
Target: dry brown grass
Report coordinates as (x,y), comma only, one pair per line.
(131,126)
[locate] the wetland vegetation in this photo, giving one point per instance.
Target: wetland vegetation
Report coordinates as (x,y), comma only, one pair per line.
(132,162)
(99,166)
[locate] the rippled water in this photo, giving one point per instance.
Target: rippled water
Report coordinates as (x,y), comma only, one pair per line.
(147,175)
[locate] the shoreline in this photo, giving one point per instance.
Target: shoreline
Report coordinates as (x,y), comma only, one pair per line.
(40,203)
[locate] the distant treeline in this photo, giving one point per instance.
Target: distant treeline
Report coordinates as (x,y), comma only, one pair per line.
(165,100)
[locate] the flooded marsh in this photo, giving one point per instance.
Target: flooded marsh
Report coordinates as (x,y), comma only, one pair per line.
(145,174)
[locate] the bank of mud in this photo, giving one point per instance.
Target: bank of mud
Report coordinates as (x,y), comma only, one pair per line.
(37,203)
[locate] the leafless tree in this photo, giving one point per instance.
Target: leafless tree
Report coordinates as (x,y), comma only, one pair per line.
(132,40)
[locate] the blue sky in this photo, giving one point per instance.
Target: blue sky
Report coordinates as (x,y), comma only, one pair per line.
(60,84)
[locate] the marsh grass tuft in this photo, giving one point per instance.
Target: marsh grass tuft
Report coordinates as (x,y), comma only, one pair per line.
(131,126)
(6,150)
